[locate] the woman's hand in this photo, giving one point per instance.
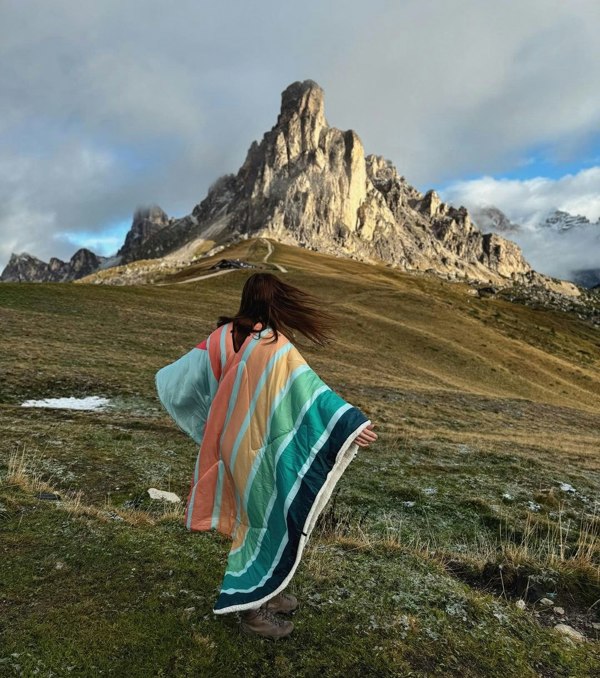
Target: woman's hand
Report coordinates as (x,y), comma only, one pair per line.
(366,436)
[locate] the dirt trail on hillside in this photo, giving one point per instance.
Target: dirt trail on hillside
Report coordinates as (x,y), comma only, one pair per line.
(202,277)
(269,253)
(228,270)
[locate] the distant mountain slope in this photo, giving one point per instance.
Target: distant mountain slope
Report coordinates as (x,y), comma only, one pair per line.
(310,184)
(579,233)
(24,267)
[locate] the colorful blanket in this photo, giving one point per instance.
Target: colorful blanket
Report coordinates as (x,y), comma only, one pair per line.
(274,440)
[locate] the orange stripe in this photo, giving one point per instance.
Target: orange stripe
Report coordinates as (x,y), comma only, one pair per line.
(214,351)
(204,497)
(255,439)
(255,433)
(209,451)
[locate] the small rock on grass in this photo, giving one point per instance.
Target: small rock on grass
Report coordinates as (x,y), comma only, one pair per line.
(48,496)
(546,602)
(570,632)
(559,610)
(521,604)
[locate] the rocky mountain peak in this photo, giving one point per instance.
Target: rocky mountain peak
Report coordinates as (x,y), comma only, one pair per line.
(562,221)
(22,266)
(491,218)
(26,268)
(310,184)
(303,100)
(82,263)
(152,213)
(147,222)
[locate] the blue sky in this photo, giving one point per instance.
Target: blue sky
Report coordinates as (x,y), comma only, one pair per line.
(108,106)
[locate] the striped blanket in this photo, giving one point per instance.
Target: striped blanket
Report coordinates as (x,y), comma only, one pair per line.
(274,440)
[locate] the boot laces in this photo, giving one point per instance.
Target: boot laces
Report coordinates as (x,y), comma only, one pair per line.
(270,617)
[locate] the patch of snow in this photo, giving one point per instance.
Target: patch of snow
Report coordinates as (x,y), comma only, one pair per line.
(408,504)
(430,490)
(162,494)
(507,496)
(86,403)
(533,506)
(565,487)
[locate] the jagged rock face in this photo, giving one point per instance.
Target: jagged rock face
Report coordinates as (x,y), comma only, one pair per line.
(26,268)
(563,221)
(310,184)
(82,263)
(147,222)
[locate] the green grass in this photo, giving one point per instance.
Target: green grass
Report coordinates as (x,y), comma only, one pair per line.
(484,407)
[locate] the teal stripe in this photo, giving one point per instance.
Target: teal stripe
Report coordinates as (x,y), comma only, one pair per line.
(290,497)
(297,422)
(251,532)
(232,402)
(210,371)
(256,463)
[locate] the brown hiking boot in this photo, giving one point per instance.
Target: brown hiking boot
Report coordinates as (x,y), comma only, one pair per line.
(282,603)
(265,623)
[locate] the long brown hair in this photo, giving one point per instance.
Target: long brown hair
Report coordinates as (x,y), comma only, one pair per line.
(282,307)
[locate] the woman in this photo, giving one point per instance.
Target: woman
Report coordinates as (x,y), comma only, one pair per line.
(274,440)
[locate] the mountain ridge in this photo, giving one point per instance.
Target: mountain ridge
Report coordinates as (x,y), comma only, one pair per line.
(557,221)
(24,267)
(310,184)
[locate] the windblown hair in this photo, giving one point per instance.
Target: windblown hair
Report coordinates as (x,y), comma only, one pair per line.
(282,307)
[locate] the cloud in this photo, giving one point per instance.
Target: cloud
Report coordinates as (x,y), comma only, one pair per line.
(560,254)
(528,202)
(107,105)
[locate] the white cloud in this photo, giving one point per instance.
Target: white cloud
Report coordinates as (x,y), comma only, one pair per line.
(170,95)
(528,202)
(34,190)
(559,254)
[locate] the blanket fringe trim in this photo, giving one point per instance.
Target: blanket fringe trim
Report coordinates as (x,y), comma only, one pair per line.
(345,455)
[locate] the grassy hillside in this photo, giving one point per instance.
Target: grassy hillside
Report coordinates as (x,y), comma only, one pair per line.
(482,490)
